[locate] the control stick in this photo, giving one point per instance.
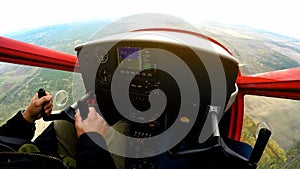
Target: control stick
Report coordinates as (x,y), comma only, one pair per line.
(41,93)
(260,145)
(69,112)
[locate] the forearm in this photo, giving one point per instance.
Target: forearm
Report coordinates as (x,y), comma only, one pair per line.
(91,154)
(18,127)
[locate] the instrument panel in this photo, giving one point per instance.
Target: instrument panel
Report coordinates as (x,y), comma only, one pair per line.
(145,70)
(132,63)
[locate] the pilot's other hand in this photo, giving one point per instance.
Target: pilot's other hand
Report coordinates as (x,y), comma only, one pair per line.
(34,109)
(93,123)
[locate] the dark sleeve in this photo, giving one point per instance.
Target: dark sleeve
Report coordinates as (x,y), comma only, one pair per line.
(91,154)
(18,127)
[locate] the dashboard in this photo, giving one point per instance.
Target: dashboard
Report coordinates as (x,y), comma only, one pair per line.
(149,80)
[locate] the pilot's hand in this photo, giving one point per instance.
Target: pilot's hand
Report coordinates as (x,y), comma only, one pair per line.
(33,111)
(93,123)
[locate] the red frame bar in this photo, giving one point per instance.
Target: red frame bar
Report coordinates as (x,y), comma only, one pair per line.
(18,52)
(283,84)
(280,84)
(237,115)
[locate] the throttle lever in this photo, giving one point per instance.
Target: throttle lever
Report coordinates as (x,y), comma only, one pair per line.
(83,108)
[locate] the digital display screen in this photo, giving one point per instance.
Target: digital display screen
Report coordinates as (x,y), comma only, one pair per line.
(130,57)
(135,58)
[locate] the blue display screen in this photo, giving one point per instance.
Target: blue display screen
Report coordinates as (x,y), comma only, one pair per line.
(130,57)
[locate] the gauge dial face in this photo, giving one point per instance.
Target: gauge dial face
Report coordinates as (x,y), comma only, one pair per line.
(104,76)
(102,55)
(61,98)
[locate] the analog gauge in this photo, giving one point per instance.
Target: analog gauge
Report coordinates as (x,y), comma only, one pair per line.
(102,55)
(104,76)
(61,98)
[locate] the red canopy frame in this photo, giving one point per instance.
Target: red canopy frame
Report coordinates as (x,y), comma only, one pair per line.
(13,51)
(279,84)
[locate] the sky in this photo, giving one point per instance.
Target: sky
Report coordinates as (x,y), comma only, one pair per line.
(271,15)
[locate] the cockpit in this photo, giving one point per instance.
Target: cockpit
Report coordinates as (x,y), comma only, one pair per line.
(175,88)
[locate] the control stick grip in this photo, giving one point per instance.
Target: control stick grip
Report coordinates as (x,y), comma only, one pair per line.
(260,145)
(41,93)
